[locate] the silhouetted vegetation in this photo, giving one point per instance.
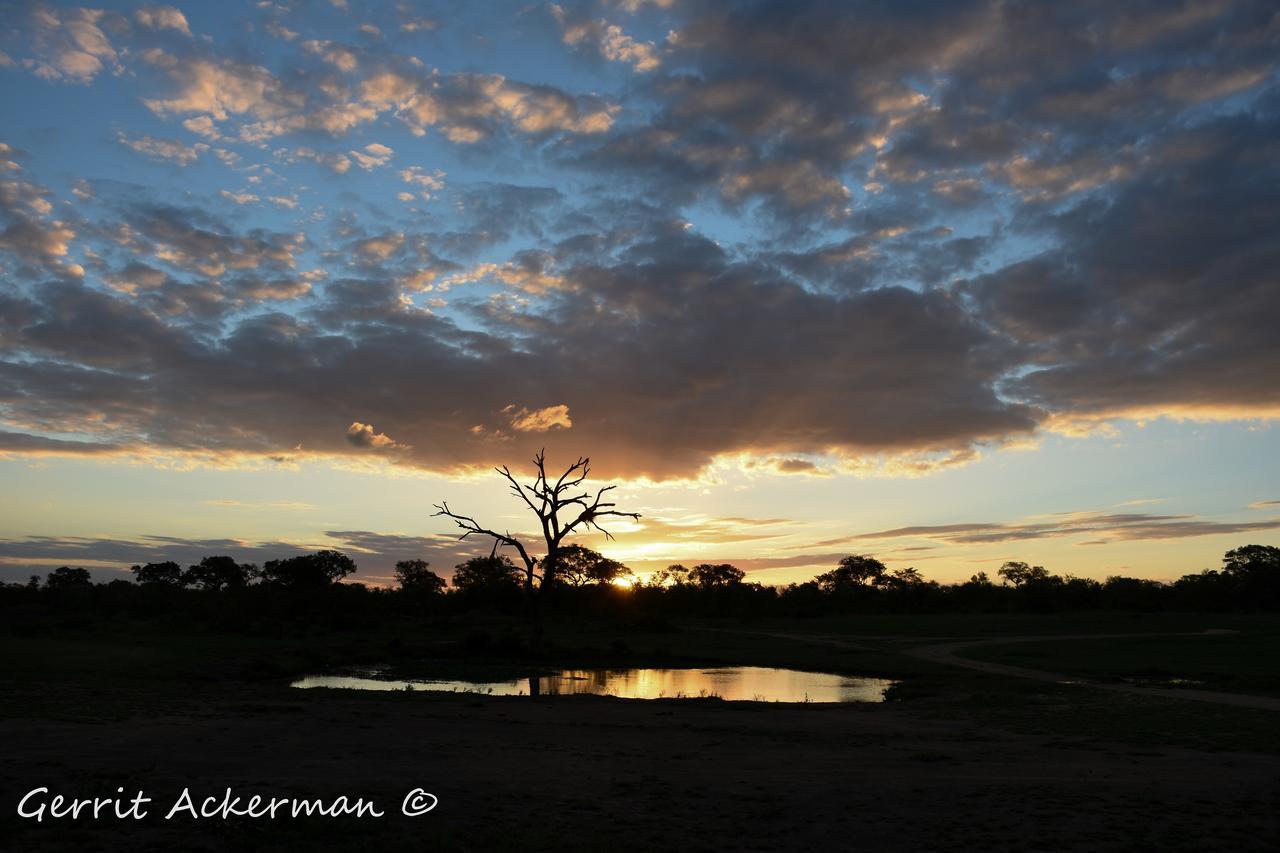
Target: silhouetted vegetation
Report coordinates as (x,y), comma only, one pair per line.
(316,570)
(307,590)
(415,576)
(573,583)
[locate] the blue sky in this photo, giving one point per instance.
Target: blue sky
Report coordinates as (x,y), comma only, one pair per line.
(942,283)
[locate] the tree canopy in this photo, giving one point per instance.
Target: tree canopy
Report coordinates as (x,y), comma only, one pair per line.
(853,572)
(494,573)
(416,576)
(308,570)
(215,573)
(578,565)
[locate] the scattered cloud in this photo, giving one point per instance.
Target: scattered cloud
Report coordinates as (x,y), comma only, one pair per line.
(539,420)
(365,436)
(1107,527)
(162,18)
(608,40)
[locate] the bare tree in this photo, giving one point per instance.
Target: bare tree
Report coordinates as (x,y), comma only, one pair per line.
(562,507)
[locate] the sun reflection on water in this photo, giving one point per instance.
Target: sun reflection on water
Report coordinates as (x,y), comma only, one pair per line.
(730,683)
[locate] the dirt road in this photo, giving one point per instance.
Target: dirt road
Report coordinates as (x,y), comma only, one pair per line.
(946,653)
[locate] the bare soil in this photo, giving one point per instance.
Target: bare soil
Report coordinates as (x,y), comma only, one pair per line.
(590,773)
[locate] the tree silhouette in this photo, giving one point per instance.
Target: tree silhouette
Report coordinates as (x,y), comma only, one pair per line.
(415,576)
(65,577)
(494,574)
(905,577)
(167,573)
(854,571)
(562,508)
(1250,560)
(673,575)
(308,570)
(707,576)
(1022,574)
(580,566)
(216,573)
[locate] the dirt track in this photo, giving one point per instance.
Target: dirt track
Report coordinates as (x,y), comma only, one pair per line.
(945,653)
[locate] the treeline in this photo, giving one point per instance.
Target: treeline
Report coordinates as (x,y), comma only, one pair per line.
(307,588)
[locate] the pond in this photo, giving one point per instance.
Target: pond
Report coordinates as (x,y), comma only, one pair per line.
(731,683)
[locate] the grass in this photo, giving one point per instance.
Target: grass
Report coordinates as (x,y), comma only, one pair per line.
(1243,662)
(130,669)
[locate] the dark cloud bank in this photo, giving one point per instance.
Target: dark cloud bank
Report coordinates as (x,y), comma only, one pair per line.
(964,222)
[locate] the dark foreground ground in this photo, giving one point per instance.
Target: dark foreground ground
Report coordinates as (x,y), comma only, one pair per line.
(959,760)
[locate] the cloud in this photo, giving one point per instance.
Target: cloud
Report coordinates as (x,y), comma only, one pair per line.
(333,160)
(28,229)
(469,107)
(608,40)
(427,184)
(1159,299)
(1125,527)
(530,274)
(788,465)
(372,156)
(538,420)
(164,149)
(364,435)
(852,239)
(192,240)
(71,45)
(335,54)
(220,89)
(110,558)
(162,18)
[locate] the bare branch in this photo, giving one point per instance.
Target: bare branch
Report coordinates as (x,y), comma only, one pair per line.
(518,490)
(583,466)
(597,509)
(546,501)
(470,526)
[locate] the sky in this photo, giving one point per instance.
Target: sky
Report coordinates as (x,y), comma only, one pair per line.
(947,283)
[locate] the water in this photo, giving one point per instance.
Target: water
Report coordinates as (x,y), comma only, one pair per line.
(731,683)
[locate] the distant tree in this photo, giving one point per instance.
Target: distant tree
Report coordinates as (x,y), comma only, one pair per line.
(980,579)
(673,575)
(854,571)
(167,573)
(65,577)
(415,576)
(707,576)
(218,573)
(1255,572)
(492,574)
(308,570)
(906,577)
(1250,560)
(1021,574)
(1132,593)
(578,565)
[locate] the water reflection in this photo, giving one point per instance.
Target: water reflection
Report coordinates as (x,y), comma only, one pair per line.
(731,683)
